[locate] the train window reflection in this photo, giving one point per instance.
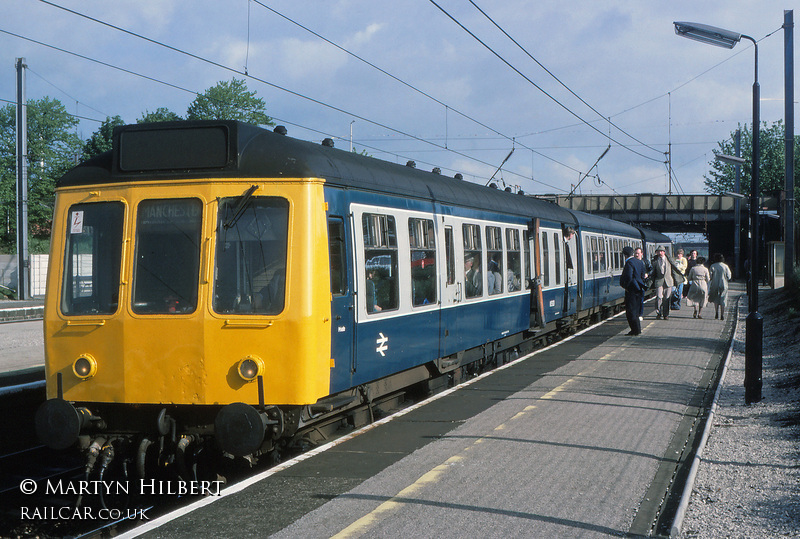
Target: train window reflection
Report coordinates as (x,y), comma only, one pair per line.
(250,268)
(380,257)
(167,267)
(473,280)
(513,277)
(92,259)
(422,242)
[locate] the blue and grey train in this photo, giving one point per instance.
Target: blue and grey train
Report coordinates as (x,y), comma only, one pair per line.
(215,281)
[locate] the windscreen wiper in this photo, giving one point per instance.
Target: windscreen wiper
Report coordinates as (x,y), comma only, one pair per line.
(239,209)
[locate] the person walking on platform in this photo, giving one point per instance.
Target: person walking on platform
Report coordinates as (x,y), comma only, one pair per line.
(698,287)
(663,281)
(648,270)
(632,280)
(682,264)
(718,289)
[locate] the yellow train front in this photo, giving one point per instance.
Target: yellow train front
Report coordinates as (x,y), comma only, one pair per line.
(181,302)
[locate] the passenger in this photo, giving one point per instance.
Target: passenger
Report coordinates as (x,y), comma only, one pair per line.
(698,287)
(681,264)
(512,281)
(648,269)
(663,281)
(632,280)
(569,233)
(691,261)
(372,300)
(718,289)
(472,278)
(494,277)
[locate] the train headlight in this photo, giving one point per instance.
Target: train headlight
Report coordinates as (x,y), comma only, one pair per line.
(250,368)
(84,367)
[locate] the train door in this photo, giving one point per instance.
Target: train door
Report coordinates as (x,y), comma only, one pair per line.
(451,285)
(537,301)
(571,273)
(342,305)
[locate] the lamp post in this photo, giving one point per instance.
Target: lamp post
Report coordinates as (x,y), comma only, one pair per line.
(754,325)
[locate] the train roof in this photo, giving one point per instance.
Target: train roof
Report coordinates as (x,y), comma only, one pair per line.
(229,149)
(595,222)
(651,236)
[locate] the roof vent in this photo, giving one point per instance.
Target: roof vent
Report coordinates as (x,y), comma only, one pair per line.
(281,130)
(458,176)
(436,170)
(411,164)
(328,142)
(507,189)
(493,185)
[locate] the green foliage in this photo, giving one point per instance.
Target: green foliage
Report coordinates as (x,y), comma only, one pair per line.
(102,139)
(229,101)
(721,177)
(52,150)
(161,114)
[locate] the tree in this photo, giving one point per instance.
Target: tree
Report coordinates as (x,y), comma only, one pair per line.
(161,114)
(53,148)
(229,101)
(721,177)
(102,140)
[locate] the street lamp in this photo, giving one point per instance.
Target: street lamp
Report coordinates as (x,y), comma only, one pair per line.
(754,325)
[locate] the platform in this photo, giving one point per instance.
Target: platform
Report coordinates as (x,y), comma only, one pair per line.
(582,439)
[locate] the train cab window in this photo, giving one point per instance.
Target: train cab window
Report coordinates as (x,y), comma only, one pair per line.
(336,250)
(250,263)
(494,260)
(380,262)
(513,261)
(167,263)
(92,259)
(473,254)
(545,261)
(557,256)
(422,242)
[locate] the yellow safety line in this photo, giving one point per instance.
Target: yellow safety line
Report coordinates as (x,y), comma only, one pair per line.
(362,525)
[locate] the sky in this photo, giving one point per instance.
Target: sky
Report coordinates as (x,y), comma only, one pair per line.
(455,84)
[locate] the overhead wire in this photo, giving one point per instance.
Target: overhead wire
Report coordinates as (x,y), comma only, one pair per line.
(407,84)
(261,80)
(529,55)
(530,81)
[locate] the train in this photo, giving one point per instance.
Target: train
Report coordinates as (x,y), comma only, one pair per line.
(219,286)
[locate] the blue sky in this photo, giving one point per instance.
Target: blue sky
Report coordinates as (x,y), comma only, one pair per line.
(450,101)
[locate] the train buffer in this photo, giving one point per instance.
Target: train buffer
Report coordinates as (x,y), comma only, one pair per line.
(589,438)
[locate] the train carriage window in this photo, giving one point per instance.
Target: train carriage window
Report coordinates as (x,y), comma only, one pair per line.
(450,254)
(250,269)
(545,261)
(494,257)
(92,259)
(473,280)
(336,250)
(602,254)
(595,256)
(557,256)
(422,242)
(380,262)
(166,272)
(513,261)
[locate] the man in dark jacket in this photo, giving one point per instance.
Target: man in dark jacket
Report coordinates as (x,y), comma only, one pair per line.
(632,280)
